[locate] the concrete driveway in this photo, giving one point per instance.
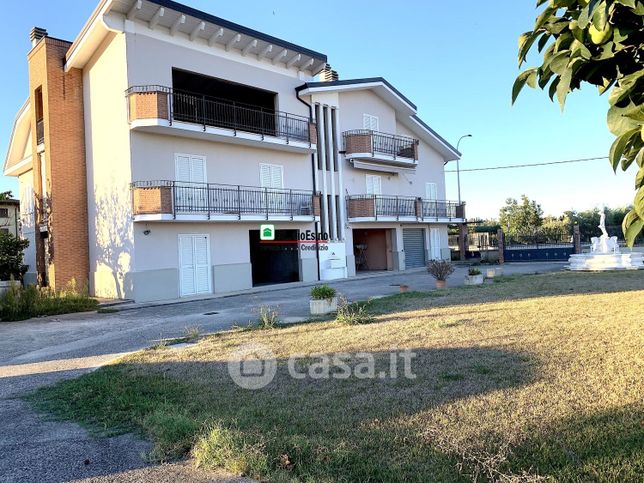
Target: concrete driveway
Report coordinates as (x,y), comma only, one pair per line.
(42,351)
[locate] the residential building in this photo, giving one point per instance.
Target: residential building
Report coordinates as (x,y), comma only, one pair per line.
(155,148)
(10,216)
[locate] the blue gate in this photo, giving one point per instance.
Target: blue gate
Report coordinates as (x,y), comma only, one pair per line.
(537,250)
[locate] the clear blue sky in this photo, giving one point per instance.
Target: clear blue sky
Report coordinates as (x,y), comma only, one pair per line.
(456,64)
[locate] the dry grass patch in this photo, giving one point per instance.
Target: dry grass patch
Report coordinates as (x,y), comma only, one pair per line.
(531,377)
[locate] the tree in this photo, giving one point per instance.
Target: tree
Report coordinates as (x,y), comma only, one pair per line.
(6,195)
(599,42)
(11,257)
(520,219)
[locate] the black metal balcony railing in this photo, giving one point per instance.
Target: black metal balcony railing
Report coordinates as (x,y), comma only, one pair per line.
(211,111)
(222,199)
(40,131)
(394,145)
(379,206)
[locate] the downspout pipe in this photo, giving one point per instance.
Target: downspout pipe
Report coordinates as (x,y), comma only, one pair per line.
(315,187)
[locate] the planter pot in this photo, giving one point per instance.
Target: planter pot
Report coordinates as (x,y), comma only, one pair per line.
(404,288)
(322,307)
(5,285)
(474,279)
(494,272)
(440,283)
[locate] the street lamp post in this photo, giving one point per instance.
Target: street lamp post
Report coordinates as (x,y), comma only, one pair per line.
(458,167)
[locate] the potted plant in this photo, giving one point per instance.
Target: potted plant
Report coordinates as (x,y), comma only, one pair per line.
(474,277)
(440,270)
(324,300)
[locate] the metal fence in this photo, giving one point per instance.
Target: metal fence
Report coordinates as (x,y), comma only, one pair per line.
(390,144)
(221,199)
(211,111)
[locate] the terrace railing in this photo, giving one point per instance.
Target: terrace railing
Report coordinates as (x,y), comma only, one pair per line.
(383,206)
(211,199)
(208,111)
(374,142)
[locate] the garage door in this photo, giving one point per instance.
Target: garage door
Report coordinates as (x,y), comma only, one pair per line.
(414,243)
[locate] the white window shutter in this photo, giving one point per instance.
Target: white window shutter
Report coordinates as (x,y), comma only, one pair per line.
(374,185)
(370,122)
(183,169)
(431,191)
(265,175)
(202,266)
(198,169)
(277,177)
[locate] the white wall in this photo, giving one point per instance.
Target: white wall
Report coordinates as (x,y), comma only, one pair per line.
(107,137)
(151,61)
(153,158)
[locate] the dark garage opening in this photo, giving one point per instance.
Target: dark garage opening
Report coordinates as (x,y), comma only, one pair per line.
(274,262)
(216,102)
(372,248)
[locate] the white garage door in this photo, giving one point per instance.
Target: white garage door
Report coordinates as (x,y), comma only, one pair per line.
(414,243)
(194,252)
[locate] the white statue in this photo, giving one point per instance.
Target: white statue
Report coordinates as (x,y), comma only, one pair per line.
(604,244)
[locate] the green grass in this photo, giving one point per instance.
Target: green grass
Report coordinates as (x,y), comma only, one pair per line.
(534,376)
(25,303)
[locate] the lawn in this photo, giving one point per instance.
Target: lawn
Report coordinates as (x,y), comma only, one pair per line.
(531,377)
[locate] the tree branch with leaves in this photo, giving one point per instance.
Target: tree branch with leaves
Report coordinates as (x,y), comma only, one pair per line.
(599,42)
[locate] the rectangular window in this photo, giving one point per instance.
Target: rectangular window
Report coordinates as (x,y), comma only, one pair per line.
(339,217)
(374,184)
(271,176)
(431,191)
(370,122)
(4,212)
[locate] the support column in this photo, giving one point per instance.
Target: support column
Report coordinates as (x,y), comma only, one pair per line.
(501,239)
(462,241)
(331,155)
(322,159)
(576,237)
(340,165)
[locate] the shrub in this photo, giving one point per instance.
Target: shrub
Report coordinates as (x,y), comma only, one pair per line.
(268,317)
(323,292)
(473,272)
(353,314)
(20,303)
(440,269)
(11,256)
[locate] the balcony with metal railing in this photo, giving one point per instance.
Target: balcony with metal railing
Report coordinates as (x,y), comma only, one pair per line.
(164,109)
(370,146)
(175,200)
(403,208)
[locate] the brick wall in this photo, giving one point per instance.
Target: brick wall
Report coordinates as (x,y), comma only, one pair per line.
(64,129)
(358,143)
(152,201)
(148,105)
(313,133)
(316,205)
(361,208)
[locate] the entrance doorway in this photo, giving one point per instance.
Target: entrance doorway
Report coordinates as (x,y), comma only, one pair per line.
(194,255)
(274,262)
(372,249)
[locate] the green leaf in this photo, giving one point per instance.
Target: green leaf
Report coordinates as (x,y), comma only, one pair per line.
(584,18)
(639,159)
(543,41)
(559,62)
(529,75)
(553,88)
(599,14)
(632,226)
(638,203)
(639,178)
(619,146)
(627,3)
(619,120)
(563,88)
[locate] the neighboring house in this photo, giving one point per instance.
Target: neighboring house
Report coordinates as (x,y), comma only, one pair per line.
(10,216)
(154,147)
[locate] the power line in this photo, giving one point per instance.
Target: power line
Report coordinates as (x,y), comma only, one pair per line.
(530,165)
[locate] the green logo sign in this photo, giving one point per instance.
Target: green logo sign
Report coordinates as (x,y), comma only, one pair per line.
(267,232)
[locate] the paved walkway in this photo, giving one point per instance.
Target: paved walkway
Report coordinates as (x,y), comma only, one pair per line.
(42,351)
